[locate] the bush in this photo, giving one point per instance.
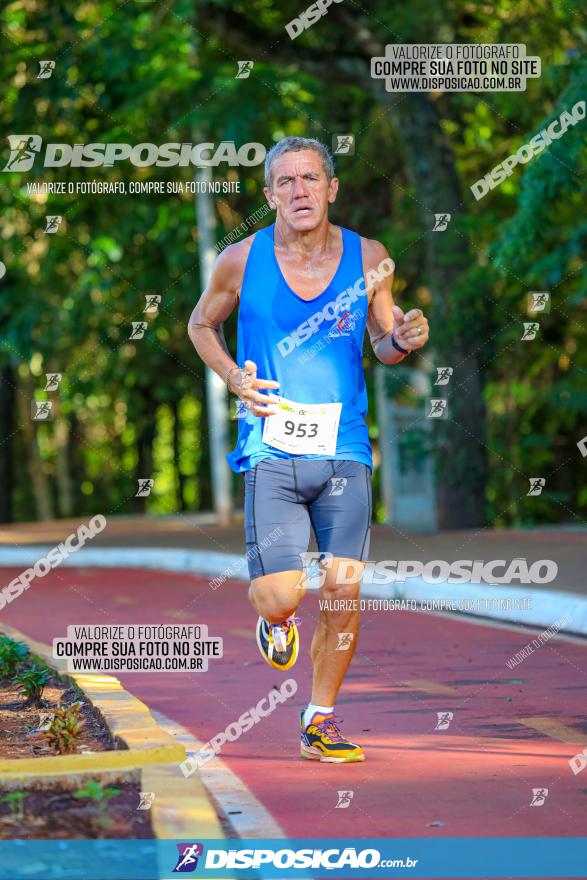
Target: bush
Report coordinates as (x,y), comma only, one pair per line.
(65,728)
(11,654)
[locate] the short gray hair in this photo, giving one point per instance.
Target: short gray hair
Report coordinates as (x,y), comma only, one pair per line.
(294,145)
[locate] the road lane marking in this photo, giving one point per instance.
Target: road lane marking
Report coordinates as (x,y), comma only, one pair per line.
(429,687)
(225,788)
(555,730)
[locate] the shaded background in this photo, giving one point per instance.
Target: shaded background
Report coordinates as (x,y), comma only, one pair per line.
(166,71)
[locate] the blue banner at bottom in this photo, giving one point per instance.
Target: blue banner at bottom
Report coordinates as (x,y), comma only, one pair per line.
(523,857)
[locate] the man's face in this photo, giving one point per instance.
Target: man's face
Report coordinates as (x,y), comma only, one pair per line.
(300,192)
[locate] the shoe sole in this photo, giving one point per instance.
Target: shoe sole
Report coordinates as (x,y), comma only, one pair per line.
(315,755)
(293,657)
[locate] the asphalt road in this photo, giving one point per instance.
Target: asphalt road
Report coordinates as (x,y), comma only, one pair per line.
(512,729)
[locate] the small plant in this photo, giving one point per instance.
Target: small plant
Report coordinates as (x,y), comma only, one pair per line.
(96,792)
(65,728)
(11,654)
(31,683)
(15,801)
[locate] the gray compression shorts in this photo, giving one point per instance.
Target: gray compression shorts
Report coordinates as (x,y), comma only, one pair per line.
(283,497)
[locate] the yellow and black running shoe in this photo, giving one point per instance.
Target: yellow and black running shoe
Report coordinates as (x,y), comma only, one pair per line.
(279,642)
(323,741)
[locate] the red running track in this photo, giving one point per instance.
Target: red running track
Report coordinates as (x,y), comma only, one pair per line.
(473,779)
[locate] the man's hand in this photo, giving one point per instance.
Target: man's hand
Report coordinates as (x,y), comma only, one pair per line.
(411,329)
(244,383)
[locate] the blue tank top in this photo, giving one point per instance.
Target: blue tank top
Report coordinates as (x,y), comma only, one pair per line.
(312,348)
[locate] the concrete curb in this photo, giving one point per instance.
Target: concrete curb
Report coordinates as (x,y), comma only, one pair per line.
(180,806)
(548,606)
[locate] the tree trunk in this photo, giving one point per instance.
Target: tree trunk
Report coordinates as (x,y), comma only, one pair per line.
(39,480)
(180,481)
(144,470)
(8,427)
(457,324)
(65,500)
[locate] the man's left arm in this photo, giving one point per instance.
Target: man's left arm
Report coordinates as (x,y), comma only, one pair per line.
(390,330)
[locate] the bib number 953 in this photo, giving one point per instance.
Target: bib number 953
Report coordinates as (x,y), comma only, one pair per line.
(303,428)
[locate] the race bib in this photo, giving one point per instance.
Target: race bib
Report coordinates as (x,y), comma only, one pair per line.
(303,428)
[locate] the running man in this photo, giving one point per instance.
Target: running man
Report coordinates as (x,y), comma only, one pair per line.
(305,290)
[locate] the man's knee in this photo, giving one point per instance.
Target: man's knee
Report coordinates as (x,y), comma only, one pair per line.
(340,604)
(344,577)
(277,596)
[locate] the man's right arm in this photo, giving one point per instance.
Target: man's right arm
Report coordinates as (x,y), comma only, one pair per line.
(205,330)
(215,306)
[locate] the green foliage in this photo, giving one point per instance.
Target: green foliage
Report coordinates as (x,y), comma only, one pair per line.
(15,801)
(11,654)
(127,410)
(65,728)
(31,683)
(100,796)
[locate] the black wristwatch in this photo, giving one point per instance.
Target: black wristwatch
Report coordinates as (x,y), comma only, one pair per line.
(398,347)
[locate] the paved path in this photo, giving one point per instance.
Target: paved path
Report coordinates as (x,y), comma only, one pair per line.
(513,730)
(567,546)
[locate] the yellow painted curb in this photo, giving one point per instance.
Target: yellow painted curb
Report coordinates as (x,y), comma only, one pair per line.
(181,806)
(113,759)
(128,719)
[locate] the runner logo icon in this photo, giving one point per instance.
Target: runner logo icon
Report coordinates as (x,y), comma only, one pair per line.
(187,860)
(23,149)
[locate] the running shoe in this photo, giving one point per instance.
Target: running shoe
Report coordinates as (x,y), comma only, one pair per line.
(279,642)
(323,741)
